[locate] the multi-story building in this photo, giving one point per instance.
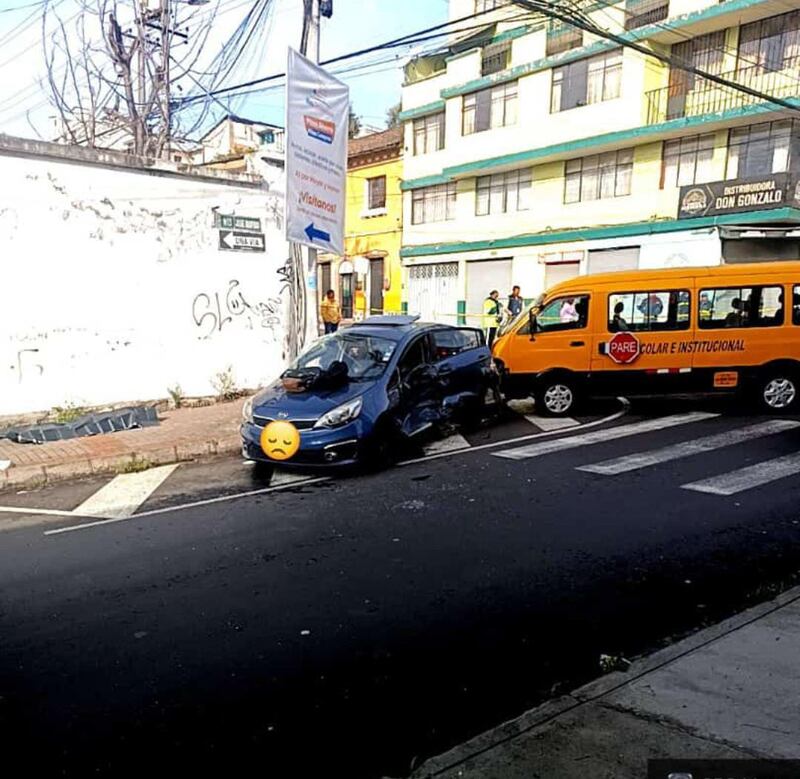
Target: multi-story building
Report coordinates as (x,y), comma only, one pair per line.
(536,151)
(368,279)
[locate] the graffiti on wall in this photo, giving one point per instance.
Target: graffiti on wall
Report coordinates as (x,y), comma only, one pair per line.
(212,312)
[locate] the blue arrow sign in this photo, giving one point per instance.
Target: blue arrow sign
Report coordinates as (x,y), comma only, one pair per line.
(317,235)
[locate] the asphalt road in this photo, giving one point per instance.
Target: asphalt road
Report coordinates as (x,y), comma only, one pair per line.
(356,626)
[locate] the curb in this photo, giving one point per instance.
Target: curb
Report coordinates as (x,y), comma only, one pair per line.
(598,688)
(38,476)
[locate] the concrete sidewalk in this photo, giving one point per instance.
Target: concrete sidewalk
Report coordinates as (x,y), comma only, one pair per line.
(184,434)
(731,691)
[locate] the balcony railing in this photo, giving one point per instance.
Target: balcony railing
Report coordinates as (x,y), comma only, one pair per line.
(707,97)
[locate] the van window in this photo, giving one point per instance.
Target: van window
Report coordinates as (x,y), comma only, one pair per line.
(796,305)
(449,343)
(649,311)
(740,307)
(570,312)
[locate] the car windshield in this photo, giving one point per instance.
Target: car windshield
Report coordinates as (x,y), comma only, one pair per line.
(366,356)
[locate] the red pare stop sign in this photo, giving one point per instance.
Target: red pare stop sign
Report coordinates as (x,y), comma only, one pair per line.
(624,348)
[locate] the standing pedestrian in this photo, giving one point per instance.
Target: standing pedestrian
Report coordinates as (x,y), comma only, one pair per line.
(330,312)
(492,316)
(515,303)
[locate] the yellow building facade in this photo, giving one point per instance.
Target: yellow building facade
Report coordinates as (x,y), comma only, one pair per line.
(368,279)
(536,151)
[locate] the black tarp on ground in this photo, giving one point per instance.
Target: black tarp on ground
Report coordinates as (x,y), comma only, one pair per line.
(87,425)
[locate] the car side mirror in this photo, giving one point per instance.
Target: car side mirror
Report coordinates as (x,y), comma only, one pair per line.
(532,324)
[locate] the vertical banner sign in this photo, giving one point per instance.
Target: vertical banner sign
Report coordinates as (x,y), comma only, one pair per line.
(317,111)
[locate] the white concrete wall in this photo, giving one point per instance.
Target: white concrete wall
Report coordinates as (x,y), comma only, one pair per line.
(114,287)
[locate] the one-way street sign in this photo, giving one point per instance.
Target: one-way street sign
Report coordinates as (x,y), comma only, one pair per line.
(230,240)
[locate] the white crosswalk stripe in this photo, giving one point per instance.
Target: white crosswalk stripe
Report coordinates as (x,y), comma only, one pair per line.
(750,477)
(551,424)
(124,494)
(666,454)
(450,444)
(601,436)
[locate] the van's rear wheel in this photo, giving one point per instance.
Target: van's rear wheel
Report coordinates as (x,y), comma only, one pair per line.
(778,391)
(556,397)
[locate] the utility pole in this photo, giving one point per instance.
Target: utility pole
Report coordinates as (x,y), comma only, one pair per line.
(309,47)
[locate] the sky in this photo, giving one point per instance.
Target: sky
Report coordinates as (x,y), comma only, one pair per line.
(24,105)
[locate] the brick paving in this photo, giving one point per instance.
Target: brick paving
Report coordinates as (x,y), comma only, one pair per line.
(184,434)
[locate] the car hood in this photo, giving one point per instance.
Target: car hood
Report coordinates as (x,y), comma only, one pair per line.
(312,404)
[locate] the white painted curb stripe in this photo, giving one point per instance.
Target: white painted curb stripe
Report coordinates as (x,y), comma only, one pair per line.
(748,478)
(634,462)
(601,436)
(125,493)
(549,424)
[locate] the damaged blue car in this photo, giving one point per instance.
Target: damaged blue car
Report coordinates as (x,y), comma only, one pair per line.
(360,395)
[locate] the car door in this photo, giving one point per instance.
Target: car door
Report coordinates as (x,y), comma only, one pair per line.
(561,340)
(463,363)
(420,404)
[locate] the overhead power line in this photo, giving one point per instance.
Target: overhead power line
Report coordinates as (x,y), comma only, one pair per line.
(553,11)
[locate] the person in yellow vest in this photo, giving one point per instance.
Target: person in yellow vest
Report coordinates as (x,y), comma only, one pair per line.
(330,312)
(492,316)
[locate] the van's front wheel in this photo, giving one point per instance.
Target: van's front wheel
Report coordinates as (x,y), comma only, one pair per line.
(778,391)
(556,397)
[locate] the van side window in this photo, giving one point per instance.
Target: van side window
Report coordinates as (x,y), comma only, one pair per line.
(740,307)
(649,311)
(796,305)
(570,312)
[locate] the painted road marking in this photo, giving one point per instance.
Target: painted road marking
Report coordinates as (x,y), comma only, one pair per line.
(551,424)
(285,478)
(748,478)
(125,493)
(450,444)
(625,406)
(666,454)
(601,436)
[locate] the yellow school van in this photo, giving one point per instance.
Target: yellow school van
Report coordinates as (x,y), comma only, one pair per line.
(690,330)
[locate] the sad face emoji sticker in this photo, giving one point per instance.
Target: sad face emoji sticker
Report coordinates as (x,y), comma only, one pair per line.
(280,440)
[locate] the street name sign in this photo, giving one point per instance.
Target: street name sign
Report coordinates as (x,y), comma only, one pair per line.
(230,240)
(317,113)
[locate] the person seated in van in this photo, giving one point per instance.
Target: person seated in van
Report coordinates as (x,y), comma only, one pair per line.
(796,308)
(568,311)
(618,323)
(736,317)
(777,318)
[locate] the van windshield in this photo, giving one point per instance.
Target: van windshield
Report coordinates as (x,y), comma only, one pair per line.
(512,322)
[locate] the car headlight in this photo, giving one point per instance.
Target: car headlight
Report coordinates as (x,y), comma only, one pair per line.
(247,411)
(341,415)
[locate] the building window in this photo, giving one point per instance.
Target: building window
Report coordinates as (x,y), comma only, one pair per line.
(639,13)
(562,37)
(688,161)
(495,58)
(429,134)
(481,6)
(376,193)
(490,108)
(599,176)
(587,81)
(503,192)
(771,44)
(433,204)
(761,149)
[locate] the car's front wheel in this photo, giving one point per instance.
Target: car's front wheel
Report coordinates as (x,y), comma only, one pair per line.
(556,397)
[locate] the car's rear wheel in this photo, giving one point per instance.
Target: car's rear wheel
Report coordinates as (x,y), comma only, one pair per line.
(778,391)
(556,397)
